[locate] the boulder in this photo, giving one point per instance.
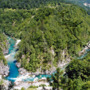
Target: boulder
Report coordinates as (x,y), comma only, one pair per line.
(18,64)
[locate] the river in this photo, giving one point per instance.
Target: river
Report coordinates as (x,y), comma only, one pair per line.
(11,60)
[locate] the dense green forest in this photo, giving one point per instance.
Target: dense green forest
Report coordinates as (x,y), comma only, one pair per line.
(44,29)
(77,76)
(26,4)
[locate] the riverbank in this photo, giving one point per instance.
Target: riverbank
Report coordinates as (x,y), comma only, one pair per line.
(4,69)
(5,84)
(28,79)
(84,51)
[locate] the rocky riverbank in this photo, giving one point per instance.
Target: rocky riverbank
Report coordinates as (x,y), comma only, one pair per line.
(4,72)
(87,47)
(4,84)
(23,81)
(4,69)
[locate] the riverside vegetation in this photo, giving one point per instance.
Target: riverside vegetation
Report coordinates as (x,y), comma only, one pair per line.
(45,33)
(2,47)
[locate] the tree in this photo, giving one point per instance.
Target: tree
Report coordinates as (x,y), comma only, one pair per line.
(57,79)
(86,86)
(78,68)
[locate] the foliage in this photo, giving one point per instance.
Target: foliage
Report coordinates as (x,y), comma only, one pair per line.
(78,68)
(1,82)
(57,79)
(33,87)
(46,28)
(26,4)
(86,86)
(2,46)
(22,88)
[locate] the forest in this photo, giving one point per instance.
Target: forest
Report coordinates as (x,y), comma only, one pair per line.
(29,4)
(45,28)
(26,4)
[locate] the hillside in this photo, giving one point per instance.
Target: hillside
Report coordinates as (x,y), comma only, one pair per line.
(46,33)
(50,33)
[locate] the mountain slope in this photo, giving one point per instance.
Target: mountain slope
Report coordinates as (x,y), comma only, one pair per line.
(50,35)
(52,30)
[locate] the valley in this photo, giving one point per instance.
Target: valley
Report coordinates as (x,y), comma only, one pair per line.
(44,45)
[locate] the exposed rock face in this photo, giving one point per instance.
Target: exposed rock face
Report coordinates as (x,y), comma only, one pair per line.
(0,77)
(5,52)
(22,71)
(18,64)
(2,87)
(18,84)
(64,58)
(4,70)
(17,42)
(5,85)
(85,49)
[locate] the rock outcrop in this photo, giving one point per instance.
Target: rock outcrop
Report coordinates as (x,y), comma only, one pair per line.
(5,84)
(18,64)
(87,47)
(5,49)
(4,69)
